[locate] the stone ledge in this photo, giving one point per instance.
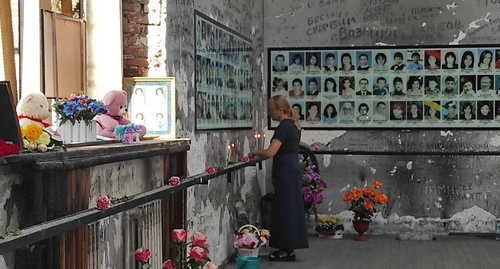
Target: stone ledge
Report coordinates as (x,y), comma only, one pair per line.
(87,156)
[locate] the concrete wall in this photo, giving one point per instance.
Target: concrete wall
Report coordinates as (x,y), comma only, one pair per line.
(433,194)
(211,208)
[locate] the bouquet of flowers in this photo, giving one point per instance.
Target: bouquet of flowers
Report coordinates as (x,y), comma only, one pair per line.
(197,255)
(329,223)
(36,139)
(249,237)
(78,108)
(329,226)
(363,201)
(312,186)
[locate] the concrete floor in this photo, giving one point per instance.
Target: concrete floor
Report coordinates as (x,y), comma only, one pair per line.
(384,252)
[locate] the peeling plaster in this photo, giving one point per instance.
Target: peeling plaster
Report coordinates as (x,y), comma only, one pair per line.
(495,141)
(327,160)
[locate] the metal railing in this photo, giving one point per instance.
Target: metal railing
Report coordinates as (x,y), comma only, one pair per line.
(58,226)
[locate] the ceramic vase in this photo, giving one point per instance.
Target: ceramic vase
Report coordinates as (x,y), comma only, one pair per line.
(361,226)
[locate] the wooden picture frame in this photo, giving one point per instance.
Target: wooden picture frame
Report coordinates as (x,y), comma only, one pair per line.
(152,103)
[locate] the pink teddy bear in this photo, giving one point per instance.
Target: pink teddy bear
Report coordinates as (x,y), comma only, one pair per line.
(116,102)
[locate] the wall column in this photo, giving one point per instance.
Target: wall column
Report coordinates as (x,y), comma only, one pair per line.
(104,46)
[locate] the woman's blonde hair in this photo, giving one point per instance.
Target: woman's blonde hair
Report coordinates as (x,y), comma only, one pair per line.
(280,102)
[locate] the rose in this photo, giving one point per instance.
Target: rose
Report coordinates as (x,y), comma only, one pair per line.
(32,145)
(210,265)
(142,255)
(32,132)
(197,253)
(316,148)
(174,181)
(210,170)
(199,239)
(103,203)
(44,138)
(245,159)
(168,264)
(179,235)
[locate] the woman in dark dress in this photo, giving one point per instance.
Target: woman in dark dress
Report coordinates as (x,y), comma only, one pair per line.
(288,222)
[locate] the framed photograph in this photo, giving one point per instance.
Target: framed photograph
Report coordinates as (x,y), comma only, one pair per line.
(400,87)
(152,104)
(223,77)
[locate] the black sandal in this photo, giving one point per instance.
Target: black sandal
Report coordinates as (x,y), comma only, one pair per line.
(289,257)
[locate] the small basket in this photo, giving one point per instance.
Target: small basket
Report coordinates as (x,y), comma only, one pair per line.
(244,252)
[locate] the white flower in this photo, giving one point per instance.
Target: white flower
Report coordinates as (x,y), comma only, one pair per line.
(42,148)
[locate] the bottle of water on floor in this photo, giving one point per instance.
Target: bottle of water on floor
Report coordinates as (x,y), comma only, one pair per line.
(497,230)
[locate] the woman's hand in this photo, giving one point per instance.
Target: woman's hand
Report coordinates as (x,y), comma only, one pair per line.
(251,155)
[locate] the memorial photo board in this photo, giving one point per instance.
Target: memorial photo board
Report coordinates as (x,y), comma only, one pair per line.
(152,103)
(389,87)
(223,76)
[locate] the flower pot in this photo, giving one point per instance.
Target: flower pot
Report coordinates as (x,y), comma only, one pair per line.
(79,132)
(331,233)
(244,252)
(361,226)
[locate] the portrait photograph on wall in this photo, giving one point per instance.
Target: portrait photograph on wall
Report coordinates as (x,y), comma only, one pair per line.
(152,104)
(223,76)
(397,87)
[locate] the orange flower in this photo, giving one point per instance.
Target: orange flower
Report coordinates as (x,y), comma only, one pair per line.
(381,198)
(369,191)
(347,197)
(356,193)
(377,184)
(368,205)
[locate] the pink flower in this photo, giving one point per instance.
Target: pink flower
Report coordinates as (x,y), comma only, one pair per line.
(248,239)
(443,150)
(210,265)
(386,149)
(103,203)
(168,264)
(199,239)
(197,253)
(142,255)
(238,242)
(210,170)
(179,235)
(174,181)
(245,159)
(316,148)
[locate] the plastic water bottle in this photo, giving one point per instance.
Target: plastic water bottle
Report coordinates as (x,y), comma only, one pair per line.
(497,230)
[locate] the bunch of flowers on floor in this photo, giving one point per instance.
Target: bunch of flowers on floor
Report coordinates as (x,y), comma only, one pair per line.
(329,226)
(362,201)
(78,108)
(197,256)
(312,187)
(36,139)
(249,237)
(197,247)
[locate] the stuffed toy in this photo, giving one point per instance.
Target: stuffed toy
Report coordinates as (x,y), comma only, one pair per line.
(128,134)
(116,102)
(34,108)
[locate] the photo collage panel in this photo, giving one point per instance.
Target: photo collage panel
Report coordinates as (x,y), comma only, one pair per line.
(223,77)
(448,87)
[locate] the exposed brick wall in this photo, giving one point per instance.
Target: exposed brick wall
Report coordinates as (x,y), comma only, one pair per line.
(143,47)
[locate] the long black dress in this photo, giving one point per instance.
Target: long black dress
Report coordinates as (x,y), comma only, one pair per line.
(288,222)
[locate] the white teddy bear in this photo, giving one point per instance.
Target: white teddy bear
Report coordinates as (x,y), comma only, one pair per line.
(33,108)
